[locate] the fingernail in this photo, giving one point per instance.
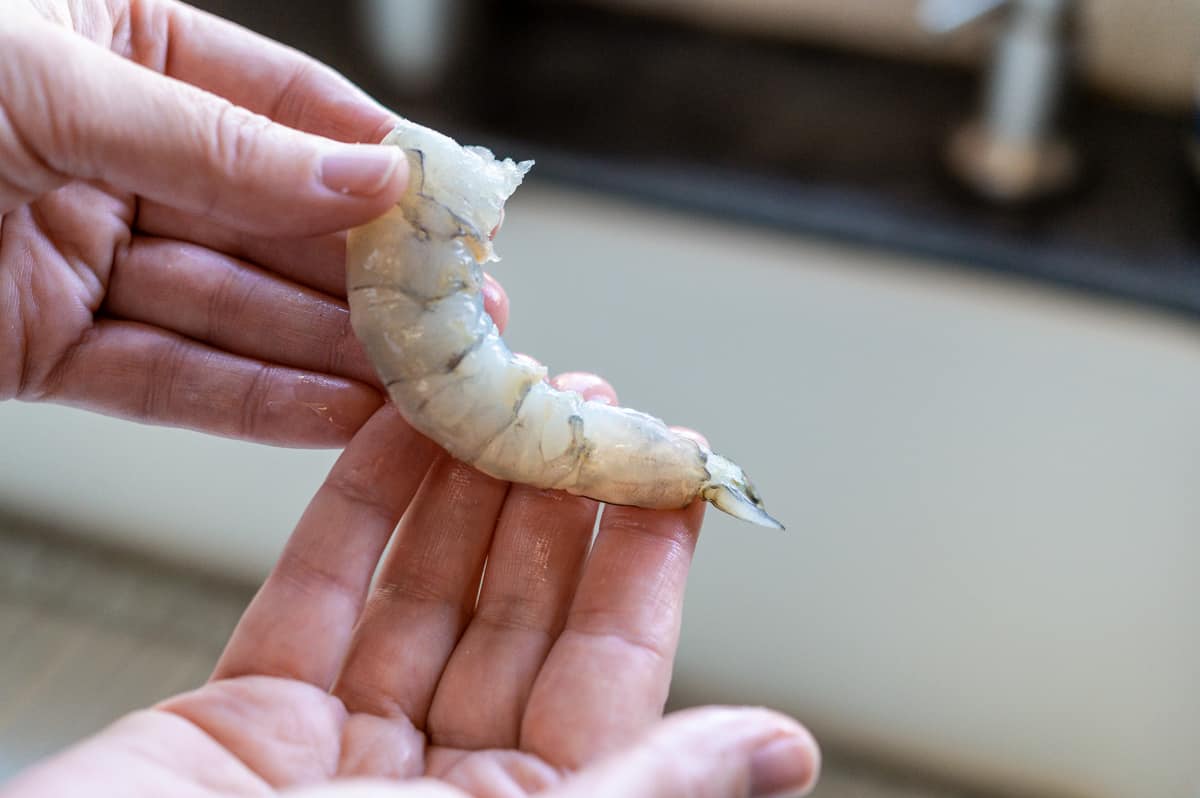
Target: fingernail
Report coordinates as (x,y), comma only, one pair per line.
(691,433)
(591,387)
(492,291)
(360,169)
(782,767)
(495,300)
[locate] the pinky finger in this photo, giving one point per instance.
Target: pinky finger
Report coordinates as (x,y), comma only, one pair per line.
(146,374)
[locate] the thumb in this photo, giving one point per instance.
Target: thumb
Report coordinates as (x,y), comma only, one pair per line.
(74,110)
(714,752)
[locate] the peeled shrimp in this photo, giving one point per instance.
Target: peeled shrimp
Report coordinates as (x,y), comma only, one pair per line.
(414,284)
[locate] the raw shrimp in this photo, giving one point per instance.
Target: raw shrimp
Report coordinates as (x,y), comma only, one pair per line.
(414,284)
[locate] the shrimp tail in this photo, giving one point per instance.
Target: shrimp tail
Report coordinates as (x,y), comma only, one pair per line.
(731,491)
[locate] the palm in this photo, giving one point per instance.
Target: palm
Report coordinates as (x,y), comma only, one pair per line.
(275,733)
(272,733)
(416,663)
(59,249)
(124,320)
(59,253)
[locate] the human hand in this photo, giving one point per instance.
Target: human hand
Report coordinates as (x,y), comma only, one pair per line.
(168,234)
(549,679)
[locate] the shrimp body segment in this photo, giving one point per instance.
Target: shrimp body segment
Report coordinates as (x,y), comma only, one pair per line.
(416,303)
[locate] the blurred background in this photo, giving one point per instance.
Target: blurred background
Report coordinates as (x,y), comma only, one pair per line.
(930,270)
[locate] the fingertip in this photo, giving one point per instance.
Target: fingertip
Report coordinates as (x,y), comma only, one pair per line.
(364,170)
(495,301)
(591,387)
(789,764)
(718,751)
(354,184)
(770,750)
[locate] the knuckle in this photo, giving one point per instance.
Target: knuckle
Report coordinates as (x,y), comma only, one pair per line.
(343,347)
(236,138)
(314,577)
(362,695)
(362,489)
(163,388)
(423,588)
(293,102)
(231,301)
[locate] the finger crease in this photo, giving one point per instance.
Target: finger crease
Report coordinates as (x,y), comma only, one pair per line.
(340,348)
(313,580)
(51,384)
(166,370)
(355,493)
(228,303)
(424,589)
(644,644)
(515,615)
(254,400)
(288,92)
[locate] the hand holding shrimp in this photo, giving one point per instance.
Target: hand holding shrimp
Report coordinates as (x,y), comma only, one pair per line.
(414,278)
(168,253)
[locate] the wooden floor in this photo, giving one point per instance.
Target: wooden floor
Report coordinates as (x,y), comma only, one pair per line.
(87,635)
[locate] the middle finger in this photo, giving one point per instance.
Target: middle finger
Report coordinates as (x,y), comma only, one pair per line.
(235,306)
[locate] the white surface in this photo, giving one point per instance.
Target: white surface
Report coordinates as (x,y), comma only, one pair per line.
(991,489)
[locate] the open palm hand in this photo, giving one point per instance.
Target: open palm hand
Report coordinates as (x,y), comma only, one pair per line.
(410,669)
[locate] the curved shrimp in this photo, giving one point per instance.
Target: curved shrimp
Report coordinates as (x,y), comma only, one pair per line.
(414,285)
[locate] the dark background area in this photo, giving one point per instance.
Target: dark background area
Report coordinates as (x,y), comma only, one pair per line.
(790,135)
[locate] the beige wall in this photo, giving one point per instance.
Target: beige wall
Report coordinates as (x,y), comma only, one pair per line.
(1145,50)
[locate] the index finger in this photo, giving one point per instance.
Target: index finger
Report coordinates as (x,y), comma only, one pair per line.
(253,71)
(300,623)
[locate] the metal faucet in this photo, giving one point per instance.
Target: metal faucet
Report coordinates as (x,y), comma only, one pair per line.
(1012,152)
